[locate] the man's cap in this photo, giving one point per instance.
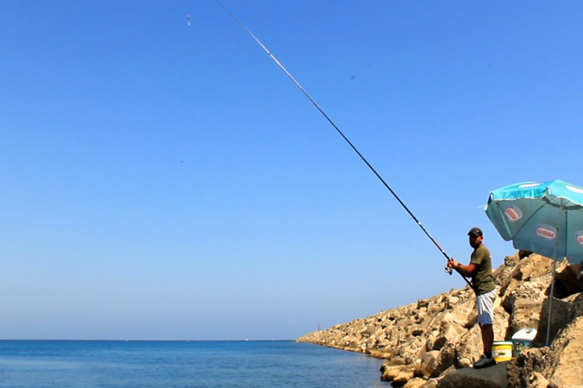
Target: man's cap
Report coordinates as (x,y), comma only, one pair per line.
(476,232)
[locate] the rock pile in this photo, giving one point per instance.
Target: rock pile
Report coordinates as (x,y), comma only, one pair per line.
(432,342)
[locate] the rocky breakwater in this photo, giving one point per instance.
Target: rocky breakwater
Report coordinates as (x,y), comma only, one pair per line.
(434,342)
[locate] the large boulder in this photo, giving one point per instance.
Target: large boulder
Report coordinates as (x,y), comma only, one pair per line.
(569,360)
(560,363)
(492,377)
(525,303)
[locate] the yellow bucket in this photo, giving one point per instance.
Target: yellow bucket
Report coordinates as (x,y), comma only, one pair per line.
(502,351)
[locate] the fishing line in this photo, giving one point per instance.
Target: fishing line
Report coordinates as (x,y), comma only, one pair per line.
(341,134)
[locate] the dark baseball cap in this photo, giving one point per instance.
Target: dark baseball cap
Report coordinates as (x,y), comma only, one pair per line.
(476,232)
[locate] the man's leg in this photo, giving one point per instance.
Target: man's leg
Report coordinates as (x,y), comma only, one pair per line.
(487,338)
(485,304)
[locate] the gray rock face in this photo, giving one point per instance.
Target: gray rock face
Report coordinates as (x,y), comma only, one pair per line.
(433,342)
(493,377)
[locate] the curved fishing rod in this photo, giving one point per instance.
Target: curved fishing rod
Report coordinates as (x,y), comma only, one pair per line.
(448,270)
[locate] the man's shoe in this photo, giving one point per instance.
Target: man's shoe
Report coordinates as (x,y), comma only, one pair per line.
(484,362)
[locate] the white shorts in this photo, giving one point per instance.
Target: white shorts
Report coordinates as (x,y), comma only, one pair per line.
(485,304)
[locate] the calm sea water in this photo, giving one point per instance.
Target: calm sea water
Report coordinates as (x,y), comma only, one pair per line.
(183,364)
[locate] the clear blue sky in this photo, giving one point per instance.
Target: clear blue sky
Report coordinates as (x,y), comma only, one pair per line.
(165,182)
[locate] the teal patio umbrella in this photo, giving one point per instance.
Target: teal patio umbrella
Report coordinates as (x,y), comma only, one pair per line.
(546,218)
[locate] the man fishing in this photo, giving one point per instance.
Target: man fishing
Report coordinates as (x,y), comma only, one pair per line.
(480,270)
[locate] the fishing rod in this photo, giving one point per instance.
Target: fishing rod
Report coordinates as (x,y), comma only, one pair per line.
(447,269)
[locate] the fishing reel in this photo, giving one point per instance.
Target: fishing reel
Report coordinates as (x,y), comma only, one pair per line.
(448,269)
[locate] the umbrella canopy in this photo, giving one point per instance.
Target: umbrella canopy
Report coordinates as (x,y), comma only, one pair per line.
(546,218)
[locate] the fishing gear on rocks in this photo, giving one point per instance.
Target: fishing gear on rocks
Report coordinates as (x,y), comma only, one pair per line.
(447,269)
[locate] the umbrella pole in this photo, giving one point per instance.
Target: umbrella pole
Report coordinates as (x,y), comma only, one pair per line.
(553,279)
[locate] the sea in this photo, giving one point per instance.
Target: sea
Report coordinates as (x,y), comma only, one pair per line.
(199,364)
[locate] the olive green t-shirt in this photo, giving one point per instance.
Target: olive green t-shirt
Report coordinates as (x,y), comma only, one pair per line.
(482,279)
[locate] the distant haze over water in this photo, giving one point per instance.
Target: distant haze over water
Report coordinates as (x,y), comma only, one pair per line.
(183,364)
